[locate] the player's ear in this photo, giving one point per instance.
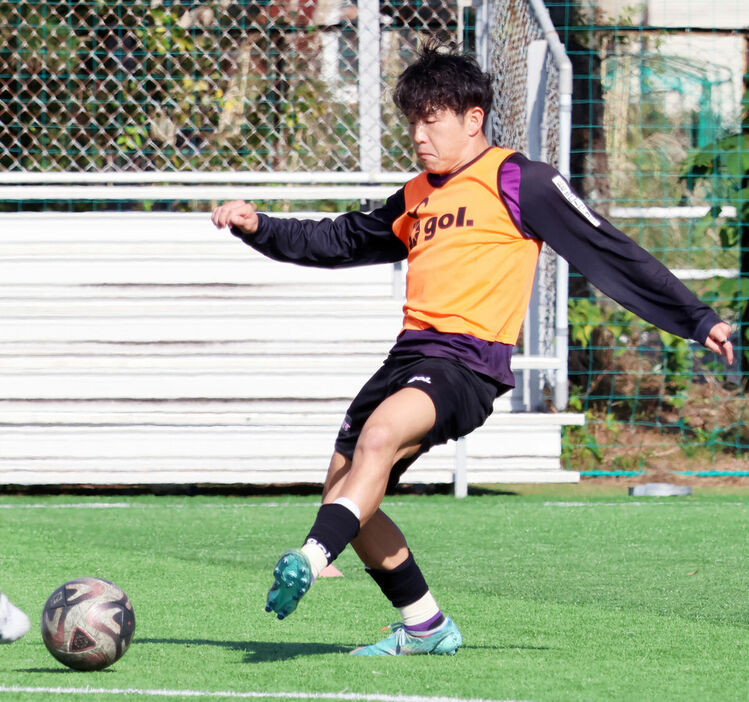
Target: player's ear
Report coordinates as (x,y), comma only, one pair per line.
(475,121)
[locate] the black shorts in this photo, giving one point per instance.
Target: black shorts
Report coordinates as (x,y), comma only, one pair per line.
(463,399)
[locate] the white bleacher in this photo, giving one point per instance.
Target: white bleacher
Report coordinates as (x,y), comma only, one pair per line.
(151,348)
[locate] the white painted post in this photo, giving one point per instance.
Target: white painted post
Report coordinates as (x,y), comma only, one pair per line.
(482,49)
(398,282)
(461,468)
(482,33)
(369,86)
(535,90)
(561,391)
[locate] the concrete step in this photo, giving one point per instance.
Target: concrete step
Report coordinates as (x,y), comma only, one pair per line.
(211,363)
(246,448)
(152,348)
(325,413)
(273,472)
(381,287)
(94,308)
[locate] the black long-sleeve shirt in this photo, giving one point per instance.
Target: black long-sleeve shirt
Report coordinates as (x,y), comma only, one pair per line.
(544,207)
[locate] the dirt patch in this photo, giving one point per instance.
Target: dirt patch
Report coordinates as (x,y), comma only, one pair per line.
(728,481)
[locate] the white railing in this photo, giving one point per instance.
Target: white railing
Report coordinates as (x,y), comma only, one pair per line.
(193,186)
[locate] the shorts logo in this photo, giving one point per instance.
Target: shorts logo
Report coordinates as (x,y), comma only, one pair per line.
(346,424)
(421,378)
(574,200)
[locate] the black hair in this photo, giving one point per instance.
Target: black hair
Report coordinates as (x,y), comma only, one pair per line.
(442,78)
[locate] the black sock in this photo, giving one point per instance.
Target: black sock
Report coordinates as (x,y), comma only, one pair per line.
(403,585)
(334,527)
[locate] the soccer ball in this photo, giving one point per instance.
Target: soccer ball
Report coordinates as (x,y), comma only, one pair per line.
(88,623)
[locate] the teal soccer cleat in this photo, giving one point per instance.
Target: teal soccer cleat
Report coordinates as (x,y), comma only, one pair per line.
(445,641)
(292,578)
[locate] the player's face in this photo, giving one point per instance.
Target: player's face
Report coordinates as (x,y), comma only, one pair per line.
(444,141)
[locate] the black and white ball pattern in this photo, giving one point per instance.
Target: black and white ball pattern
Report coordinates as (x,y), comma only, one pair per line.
(88,623)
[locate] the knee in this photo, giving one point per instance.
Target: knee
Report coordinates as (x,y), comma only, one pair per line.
(377,440)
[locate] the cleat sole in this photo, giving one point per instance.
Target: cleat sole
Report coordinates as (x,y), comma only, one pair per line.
(292,579)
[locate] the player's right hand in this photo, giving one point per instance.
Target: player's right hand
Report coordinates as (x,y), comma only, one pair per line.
(236,213)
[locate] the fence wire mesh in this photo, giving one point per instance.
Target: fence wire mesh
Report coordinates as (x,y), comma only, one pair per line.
(244,84)
(660,145)
(514,33)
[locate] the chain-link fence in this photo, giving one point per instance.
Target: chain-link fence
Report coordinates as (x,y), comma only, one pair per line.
(224,85)
(526,117)
(660,146)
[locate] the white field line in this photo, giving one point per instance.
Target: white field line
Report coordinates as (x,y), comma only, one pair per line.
(637,503)
(81,505)
(348,696)
(606,504)
(126,505)
(276,505)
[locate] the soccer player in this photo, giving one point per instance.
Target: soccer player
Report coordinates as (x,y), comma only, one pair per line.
(471,226)
(13,622)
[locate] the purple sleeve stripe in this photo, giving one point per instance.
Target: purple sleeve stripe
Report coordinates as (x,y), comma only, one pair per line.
(509,189)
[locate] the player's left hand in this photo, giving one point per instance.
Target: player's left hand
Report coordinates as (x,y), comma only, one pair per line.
(718,341)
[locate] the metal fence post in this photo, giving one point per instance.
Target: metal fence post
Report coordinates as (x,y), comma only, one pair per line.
(461,468)
(369,86)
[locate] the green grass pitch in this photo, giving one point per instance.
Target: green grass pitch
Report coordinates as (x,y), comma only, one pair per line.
(560,593)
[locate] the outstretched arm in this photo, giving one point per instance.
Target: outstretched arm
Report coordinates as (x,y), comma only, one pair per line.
(351,239)
(551,211)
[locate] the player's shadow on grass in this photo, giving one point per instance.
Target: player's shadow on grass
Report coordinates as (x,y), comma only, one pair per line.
(66,671)
(259,651)
(505,648)
(270,651)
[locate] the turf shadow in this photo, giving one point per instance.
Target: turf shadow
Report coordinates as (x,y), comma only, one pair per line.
(66,671)
(506,648)
(260,651)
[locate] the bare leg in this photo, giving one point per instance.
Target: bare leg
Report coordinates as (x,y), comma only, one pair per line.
(382,547)
(380,543)
(393,431)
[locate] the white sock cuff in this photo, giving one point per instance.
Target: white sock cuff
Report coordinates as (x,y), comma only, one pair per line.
(420,611)
(350,505)
(318,559)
